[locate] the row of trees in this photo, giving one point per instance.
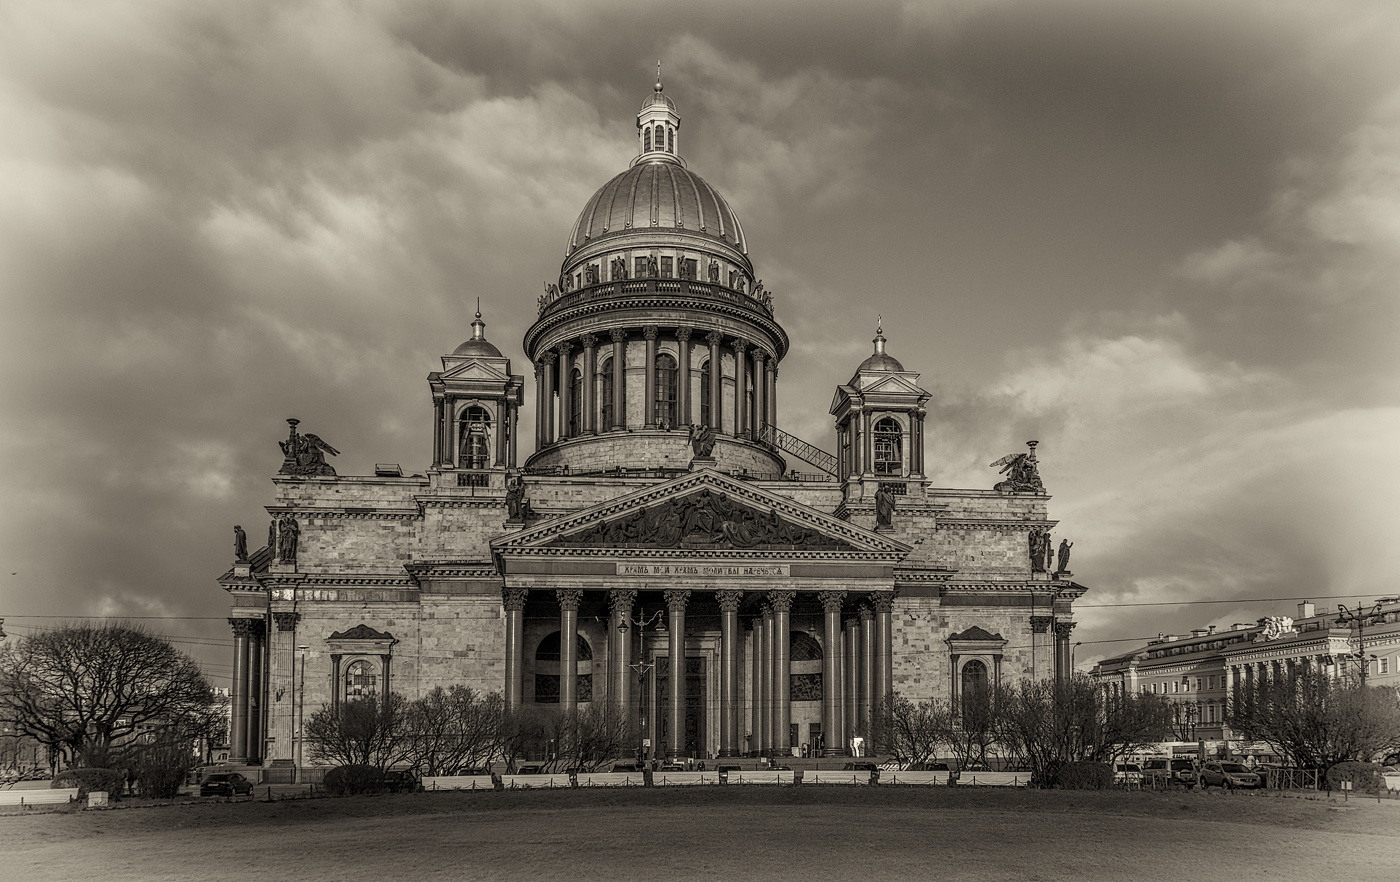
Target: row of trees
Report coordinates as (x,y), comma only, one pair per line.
(454,730)
(111,696)
(1313,720)
(1036,725)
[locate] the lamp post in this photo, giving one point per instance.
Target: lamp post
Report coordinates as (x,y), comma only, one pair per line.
(301,704)
(642,668)
(1361,618)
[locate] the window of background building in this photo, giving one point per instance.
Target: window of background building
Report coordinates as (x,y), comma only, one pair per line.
(1382,666)
(1198,684)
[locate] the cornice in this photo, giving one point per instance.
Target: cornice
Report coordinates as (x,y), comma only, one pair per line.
(701,306)
(699,554)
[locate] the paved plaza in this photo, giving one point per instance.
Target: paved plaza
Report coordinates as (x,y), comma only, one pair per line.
(729,833)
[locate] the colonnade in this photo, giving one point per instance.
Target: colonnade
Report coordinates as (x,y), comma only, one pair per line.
(857,663)
(554,388)
(247,726)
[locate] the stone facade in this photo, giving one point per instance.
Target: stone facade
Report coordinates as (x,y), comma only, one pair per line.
(658,492)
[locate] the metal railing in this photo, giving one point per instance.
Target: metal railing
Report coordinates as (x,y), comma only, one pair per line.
(770,434)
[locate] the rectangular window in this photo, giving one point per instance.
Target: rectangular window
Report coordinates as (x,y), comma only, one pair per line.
(667,267)
(1384,664)
(1211,681)
(1198,684)
(1154,688)
(1176,687)
(639,267)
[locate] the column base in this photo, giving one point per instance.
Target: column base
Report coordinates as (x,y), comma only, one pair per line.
(834,751)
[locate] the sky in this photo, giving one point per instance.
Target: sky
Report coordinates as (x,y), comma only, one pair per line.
(1161,238)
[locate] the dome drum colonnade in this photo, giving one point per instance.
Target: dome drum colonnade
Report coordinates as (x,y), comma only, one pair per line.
(857,662)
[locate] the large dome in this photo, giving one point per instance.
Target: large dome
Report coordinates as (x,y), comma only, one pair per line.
(657,195)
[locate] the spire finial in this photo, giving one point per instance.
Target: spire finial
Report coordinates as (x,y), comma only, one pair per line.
(478,326)
(658,75)
(879,340)
(879,324)
(478,307)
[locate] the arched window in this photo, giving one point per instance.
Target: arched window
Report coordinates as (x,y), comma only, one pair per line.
(665,389)
(705,394)
(974,691)
(547,670)
(605,394)
(670,140)
(646,140)
(360,681)
(660,137)
(475,450)
(889,447)
(575,403)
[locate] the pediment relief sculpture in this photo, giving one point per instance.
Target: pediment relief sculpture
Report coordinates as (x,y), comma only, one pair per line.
(703,520)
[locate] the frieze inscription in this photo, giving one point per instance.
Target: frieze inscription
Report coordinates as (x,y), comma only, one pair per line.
(761,571)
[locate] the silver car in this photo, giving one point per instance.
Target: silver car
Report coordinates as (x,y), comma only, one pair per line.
(1229,775)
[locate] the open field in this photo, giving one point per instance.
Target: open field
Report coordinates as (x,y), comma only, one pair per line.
(808,832)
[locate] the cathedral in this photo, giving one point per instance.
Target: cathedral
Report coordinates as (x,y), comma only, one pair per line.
(663,549)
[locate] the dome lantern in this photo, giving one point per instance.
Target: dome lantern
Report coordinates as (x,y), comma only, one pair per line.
(658,127)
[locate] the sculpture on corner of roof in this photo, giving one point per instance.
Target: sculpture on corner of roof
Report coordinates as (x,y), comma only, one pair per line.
(702,441)
(1021,470)
(884,506)
(1062,564)
(305,455)
(1039,541)
(288,535)
(240,544)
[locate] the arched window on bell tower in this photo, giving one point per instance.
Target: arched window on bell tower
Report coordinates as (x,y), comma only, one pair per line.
(889,447)
(666,389)
(646,140)
(475,434)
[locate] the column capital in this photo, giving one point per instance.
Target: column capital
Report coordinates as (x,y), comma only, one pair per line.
(851,618)
(729,600)
(547,359)
(883,603)
(740,346)
(564,349)
(618,334)
(1064,629)
(286,621)
(781,601)
(714,337)
(569,598)
(245,627)
(1041,624)
(676,599)
(514,598)
(865,612)
(651,332)
(620,600)
(589,340)
(833,601)
(683,332)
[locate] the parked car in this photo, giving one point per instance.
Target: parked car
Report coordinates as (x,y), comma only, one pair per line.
(626,767)
(1165,771)
(530,770)
(859,767)
(226,784)
(1229,775)
(672,767)
(1127,773)
(927,767)
(402,781)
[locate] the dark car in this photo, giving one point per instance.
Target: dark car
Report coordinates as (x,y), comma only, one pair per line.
(530,770)
(927,767)
(226,784)
(402,781)
(859,767)
(1229,776)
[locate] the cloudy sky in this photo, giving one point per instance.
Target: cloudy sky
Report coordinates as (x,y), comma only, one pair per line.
(1162,238)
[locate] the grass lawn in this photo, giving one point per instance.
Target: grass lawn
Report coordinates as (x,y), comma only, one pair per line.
(729,833)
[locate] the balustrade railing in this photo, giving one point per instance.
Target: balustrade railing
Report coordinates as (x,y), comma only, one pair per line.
(557,299)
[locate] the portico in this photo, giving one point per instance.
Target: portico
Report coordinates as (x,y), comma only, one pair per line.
(698,556)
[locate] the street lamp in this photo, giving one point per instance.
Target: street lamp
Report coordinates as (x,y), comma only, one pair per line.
(642,668)
(1361,618)
(301,704)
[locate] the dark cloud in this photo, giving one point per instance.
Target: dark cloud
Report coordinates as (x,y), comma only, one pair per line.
(1158,237)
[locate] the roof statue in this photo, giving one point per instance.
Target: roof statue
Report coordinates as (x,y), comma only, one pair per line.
(1021,470)
(304,455)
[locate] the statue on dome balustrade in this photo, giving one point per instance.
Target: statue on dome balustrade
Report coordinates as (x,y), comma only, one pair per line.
(714,271)
(618,268)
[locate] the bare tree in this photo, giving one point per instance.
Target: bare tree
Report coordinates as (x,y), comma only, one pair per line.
(1051,723)
(911,731)
(369,731)
(1318,721)
(88,690)
(449,730)
(591,736)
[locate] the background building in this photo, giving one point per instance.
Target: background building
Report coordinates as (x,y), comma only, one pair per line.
(661,516)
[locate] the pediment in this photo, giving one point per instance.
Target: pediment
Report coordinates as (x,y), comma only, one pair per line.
(704,512)
(978,634)
(476,369)
(361,632)
(892,384)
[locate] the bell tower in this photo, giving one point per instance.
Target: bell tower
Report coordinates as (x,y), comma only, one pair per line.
(476,402)
(880,428)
